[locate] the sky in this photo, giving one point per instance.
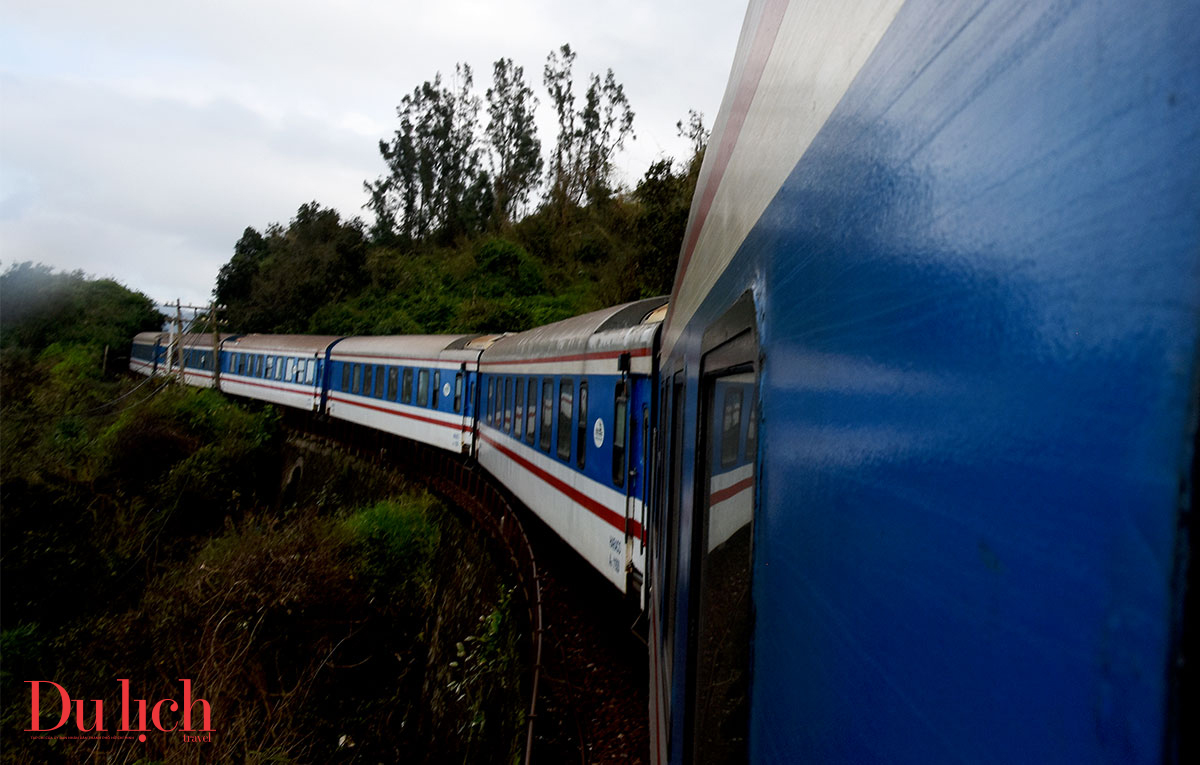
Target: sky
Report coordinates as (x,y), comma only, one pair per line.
(139,139)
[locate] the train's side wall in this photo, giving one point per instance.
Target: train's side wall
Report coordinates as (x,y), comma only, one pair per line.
(978,300)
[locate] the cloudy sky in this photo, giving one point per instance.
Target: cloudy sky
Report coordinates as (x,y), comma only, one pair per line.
(138,139)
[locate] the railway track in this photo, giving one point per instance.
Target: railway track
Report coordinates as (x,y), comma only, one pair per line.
(587,673)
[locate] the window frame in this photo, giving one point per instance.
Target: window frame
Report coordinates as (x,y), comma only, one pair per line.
(566,416)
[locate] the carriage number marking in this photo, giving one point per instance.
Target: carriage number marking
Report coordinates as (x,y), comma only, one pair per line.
(614,559)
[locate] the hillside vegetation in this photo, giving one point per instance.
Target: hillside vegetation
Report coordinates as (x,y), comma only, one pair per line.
(476,227)
(144,536)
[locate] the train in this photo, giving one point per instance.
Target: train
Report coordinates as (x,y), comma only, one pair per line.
(904,468)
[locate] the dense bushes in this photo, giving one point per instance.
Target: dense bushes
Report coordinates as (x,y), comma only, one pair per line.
(144,536)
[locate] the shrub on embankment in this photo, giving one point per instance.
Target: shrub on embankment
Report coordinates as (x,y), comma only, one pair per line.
(144,537)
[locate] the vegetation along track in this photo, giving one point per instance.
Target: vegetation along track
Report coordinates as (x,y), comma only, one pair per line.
(588,673)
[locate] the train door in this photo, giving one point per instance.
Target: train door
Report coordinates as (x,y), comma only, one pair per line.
(722,611)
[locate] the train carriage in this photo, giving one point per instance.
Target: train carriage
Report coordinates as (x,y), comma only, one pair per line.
(282,369)
(416,386)
(948,254)
(148,353)
(564,423)
(200,352)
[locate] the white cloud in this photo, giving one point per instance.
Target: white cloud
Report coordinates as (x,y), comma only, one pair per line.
(138,139)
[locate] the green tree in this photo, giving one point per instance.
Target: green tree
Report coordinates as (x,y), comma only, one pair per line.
(39,307)
(607,120)
(516,156)
(434,184)
(274,283)
(235,280)
(589,138)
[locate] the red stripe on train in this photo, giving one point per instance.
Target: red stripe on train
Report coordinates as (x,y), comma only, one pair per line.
(606,514)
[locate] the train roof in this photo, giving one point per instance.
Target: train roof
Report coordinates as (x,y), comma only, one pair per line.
(203,339)
(624,327)
(149,338)
(413,348)
(282,343)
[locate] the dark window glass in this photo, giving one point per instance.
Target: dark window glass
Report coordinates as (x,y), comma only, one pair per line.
(423,387)
(393,384)
(620,412)
(241,362)
(581,430)
(458,392)
(258,366)
(269,368)
(508,404)
(345,376)
(366,383)
(379,380)
(518,409)
(530,410)
(358,375)
(566,408)
(437,388)
(731,426)
(406,386)
(547,413)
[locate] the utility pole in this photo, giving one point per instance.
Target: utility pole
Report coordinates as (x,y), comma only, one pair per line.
(179,338)
(216,357)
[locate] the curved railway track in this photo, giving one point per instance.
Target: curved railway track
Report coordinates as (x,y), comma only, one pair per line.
(587,677)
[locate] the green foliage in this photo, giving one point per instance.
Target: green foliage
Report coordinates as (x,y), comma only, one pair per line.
(516,156)
(440,260)
(272,283)
(434,187)
(39,307)
(505,269)
(398,538)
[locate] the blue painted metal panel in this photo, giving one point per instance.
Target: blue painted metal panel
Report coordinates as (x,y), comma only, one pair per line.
(598,464)
(979,296)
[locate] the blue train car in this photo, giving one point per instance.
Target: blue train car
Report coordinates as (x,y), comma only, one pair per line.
(282,369)
(201,352)
(417,386)
(564,423)
(148,354)
(948,254)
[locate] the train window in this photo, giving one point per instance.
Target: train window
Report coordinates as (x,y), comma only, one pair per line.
(279,367)
(437,388)
(566,408)
(547,413)
(487,413)
(269,368)
(519,409)
(581,429)
(731,427)
(423,387)
(379,381)
(393,383)
(620,416)
(366,382)
(358,375)
(406,386)
(345,376)
(458,392)
(530,409)
(241,363)
(258,366)
(508,404)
